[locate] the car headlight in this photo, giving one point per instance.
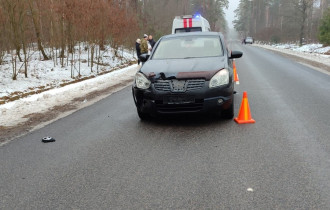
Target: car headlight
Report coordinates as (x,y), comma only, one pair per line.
(220,78)
(141,81)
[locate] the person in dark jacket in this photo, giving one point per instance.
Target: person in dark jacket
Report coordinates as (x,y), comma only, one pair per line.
(151,41)
(138,49)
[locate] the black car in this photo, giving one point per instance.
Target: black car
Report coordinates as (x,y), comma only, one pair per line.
(186,73)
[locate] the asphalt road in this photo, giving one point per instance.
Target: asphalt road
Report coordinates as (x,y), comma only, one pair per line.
(104,157)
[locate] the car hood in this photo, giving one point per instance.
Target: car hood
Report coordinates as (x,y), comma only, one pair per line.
(184,68)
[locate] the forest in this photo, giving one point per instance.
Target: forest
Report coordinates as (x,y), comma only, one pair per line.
(62,29)
(281,20)
(56,27)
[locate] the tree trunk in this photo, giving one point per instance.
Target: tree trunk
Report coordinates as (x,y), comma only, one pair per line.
(72,73)
(79,61)
(62,53)
(324,6)
(18,50)
(70,39)
(13,60)
(25,60)
(303,19)
(37,32)
(24,50)
(92,57)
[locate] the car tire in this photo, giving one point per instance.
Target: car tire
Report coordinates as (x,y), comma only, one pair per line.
(143,116)
(228,113)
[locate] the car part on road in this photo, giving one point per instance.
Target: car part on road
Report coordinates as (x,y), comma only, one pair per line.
(47,139)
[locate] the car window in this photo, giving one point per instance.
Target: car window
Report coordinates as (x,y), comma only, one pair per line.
(188,47)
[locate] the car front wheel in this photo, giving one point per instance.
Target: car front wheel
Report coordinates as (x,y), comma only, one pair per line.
(143,116)
(228,113)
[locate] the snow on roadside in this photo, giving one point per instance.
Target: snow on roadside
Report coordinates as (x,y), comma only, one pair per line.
(45,74)
(323,50)
(312,52)
(309,48)
(13,113)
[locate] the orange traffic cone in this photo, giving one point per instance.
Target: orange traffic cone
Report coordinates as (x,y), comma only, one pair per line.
(235,73)
(244,115)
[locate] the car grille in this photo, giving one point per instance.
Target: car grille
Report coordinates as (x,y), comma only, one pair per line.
(162,85)
(195,84)
(171,85)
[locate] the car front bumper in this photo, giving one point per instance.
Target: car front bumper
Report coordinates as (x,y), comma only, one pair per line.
(205,100)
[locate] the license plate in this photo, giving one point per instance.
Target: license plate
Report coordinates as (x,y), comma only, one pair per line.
(179,100)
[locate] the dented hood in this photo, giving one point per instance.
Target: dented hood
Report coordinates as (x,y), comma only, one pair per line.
(184,68)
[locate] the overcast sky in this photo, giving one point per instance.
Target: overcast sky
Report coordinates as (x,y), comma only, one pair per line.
(230,15)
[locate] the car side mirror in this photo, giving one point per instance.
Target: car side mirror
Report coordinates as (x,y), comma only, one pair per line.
(144,57)
(235,54)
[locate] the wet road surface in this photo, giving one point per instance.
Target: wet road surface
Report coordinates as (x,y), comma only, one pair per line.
(104,157)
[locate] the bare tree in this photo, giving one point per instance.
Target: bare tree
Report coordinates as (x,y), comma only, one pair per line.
(15,11)
(33,8)
(324,4)
(302,6)
(3,38)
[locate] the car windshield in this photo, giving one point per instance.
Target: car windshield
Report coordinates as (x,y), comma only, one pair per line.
(183,47)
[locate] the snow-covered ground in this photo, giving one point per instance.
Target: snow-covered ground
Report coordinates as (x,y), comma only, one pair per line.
(45,75)
(312,52)
(12,113)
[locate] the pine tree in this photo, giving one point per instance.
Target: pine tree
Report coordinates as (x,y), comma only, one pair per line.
(324,34)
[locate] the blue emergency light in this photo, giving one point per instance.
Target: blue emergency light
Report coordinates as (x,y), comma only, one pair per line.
(197,16)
